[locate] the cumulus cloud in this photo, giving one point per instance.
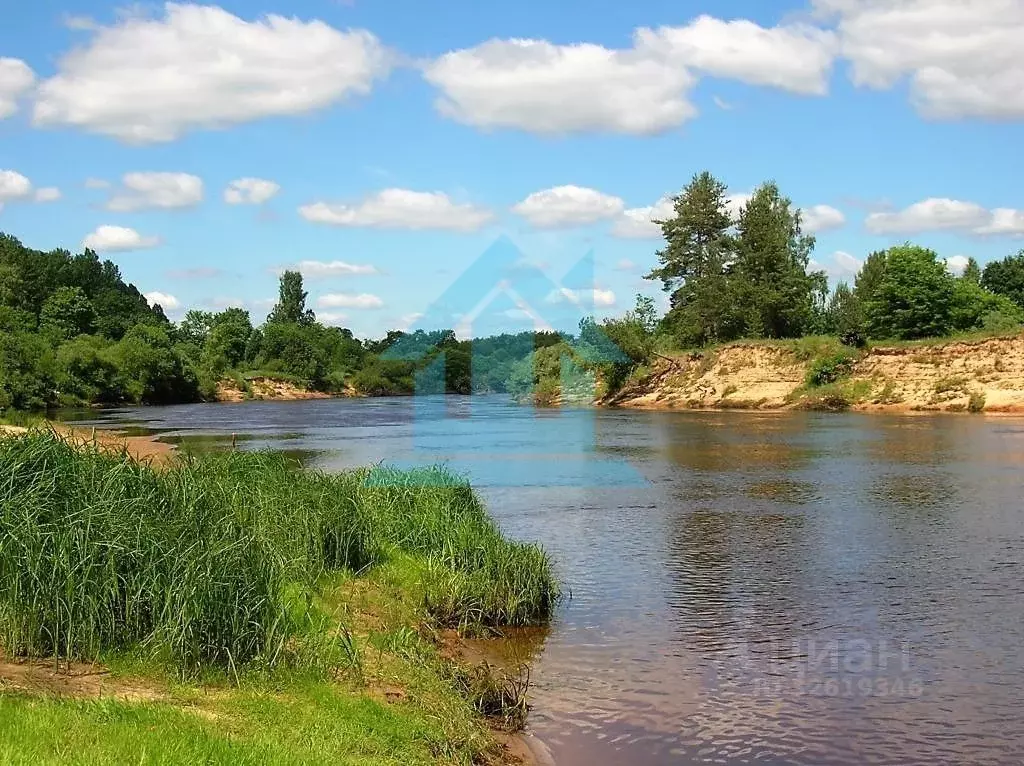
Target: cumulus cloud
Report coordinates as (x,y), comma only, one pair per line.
(47,194)
(568,206)
(956,264)
(941,214)
(400,209)
(117,238)
(16,79)
(327,269)
(14,186)
(250,191)
(796,58)
(963,58)
(639,222)
(153,79)
(542,87)
(537,86)
(597,297)
(822,218)
(165,300)
(349,301)
(156,191)
(734,204)
(841,267)
(334,318)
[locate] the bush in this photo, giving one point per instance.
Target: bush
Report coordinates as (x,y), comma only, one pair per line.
(830,369)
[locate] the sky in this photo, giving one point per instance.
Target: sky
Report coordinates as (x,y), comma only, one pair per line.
(380,146)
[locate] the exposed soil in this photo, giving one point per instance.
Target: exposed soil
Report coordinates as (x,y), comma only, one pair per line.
(144,448)
(270,389)
(79,680)
(956,376)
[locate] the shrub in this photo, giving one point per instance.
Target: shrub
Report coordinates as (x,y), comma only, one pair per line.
(830,369)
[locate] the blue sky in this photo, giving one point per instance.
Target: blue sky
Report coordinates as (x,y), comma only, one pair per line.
(393,141)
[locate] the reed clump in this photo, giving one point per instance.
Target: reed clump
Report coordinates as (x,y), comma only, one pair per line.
(214,561)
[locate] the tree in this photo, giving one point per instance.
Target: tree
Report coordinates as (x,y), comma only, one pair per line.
(772,255)
(844,316)
(67,313)
(974,308)
(195,327)
(694,260)
(291,302)
(913,297)
(1006,277)
(154,371)
(972,272)
(697,236)
(227,339)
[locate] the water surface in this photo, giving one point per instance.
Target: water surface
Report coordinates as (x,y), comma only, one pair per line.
(746,588)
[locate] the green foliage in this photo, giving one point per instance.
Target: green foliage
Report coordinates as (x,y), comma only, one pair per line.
(154,370)
(830,369)
(67,313)
(975,308)
(291,302)
(1006,277)
(976,402)
(751,283)
(912,297)
(200,564)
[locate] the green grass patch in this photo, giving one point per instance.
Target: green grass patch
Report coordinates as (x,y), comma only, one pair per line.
(215,562)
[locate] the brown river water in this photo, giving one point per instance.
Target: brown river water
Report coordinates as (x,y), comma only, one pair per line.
(789,588)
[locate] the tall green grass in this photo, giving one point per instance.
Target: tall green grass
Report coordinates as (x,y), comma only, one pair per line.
(215,560)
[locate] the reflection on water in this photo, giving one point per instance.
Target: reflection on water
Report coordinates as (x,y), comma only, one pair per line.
(780,589)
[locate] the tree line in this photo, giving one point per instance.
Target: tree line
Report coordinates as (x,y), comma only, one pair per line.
(72,331)
(748,276)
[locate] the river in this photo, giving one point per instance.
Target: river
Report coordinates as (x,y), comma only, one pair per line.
(791,588)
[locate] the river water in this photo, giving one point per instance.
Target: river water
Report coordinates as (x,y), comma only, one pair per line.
(790,588)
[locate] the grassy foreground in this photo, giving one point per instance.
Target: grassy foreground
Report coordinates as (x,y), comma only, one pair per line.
(267,614)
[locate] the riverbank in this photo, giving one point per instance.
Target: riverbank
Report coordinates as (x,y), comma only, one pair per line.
(312,630)
(964,375)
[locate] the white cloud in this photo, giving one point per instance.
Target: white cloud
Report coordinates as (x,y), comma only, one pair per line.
(1004,221)
(597,297)
(626,265)
(796,58)
(166,301)
(639,222)
(349,301)
(400,209)
(153,79)
(250,191)
(407,321)
(956,264)
(47,194)
(117,238)
(734,204)
(334,318)
(841,267)
(568,206)
(16,79)
(328,269)
(963,57)
(822,218)
(14,186)
(96,183)
(537,86)
(722,104)
(939,214)
(148,191)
